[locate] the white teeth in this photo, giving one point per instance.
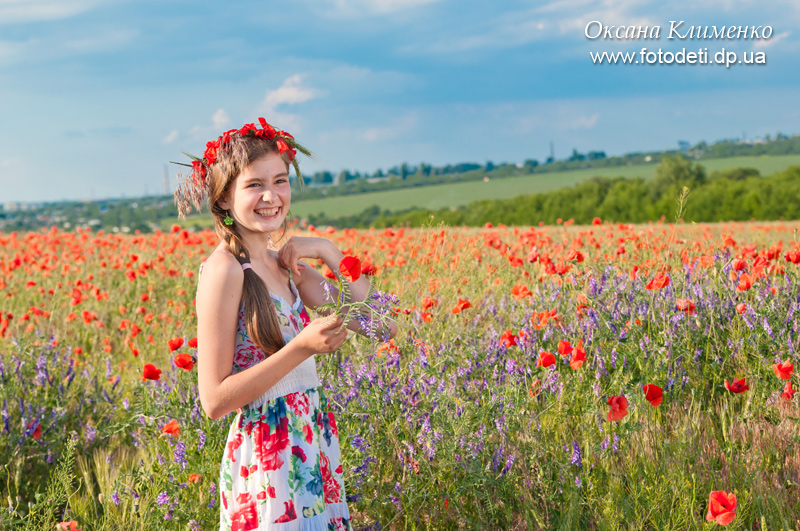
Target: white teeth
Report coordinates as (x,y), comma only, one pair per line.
(268,213)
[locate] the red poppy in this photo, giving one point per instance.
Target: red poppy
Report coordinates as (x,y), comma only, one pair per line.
(745,282)
(739,264)
(72,525)
(150,372)
(741,307)
(428,302)
(788,392)
(508,339)
(520,292)
(194,478)
(193,342)
(546,359)
(461,305)
(175,343)
(686,306)
(658,282)
(737,386)
(564,348)
(183,361)
(721,507)
(350,268)
(654,394)
(578,358)
(783,370)
(619,407)
(171,428)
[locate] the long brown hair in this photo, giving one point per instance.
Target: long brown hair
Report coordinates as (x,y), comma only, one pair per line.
(261,320)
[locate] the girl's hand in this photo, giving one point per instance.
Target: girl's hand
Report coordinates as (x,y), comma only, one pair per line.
(299,247)
(323,335)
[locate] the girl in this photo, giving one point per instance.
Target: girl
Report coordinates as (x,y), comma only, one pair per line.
(281,466)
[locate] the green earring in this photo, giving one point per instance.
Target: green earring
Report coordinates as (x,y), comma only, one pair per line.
(228,220)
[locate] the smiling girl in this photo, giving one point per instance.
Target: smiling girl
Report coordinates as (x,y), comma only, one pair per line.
(281,467)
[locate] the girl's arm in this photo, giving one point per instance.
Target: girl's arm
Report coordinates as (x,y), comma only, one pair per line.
(310,285)
(218,301)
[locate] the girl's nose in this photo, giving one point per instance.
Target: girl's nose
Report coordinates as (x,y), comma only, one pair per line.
(268,195)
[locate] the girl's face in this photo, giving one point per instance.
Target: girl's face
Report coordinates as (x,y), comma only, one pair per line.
(259,198)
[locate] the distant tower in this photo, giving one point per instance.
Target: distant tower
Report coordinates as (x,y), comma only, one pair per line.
(166,181)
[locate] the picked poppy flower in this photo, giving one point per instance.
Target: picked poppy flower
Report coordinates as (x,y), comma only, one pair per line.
(546,359)
(737,386)
(183,361)
(658,282)
(721,507)
(653,394)
(685,305)
(783,370)
(461,305)
(578,358)
(175,343)
(150,372)
(193,342)
(619,408)
(350,268)
(171,428)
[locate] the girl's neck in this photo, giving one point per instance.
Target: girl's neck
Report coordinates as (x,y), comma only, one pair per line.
(258,247)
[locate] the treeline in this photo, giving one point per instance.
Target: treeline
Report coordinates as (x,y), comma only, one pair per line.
(326,184)
(734,194)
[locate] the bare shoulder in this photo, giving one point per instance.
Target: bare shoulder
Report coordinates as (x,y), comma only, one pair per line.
(222,273)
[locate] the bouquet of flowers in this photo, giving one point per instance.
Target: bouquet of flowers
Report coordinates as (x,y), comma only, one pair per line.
(374,313)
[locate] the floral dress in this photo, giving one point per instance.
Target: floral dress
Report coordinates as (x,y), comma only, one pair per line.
(281,468)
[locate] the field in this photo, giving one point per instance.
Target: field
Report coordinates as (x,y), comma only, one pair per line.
(556,377)
(458,194)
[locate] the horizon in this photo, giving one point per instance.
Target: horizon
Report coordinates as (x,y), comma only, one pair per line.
(124,197)
(112,91)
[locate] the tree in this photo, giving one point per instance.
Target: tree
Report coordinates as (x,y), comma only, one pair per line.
(673,173)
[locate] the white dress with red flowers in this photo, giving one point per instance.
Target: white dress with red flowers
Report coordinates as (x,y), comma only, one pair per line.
(281,468)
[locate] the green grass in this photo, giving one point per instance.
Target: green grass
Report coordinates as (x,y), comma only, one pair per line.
(458,194)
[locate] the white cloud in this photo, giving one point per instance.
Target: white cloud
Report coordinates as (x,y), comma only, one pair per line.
(766,43)
(582,122)
(220,119)
(290,92)
(16,11)
(358,8)
(171,137)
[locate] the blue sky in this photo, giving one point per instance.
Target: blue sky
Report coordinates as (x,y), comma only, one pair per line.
(96,96)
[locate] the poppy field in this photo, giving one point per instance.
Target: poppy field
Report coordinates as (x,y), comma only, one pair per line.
(552,377)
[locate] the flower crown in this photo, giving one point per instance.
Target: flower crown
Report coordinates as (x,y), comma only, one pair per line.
(194,190)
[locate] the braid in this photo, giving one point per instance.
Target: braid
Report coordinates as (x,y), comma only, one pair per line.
(260,315)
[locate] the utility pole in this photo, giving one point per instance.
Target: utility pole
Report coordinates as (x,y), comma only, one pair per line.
(166,181)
